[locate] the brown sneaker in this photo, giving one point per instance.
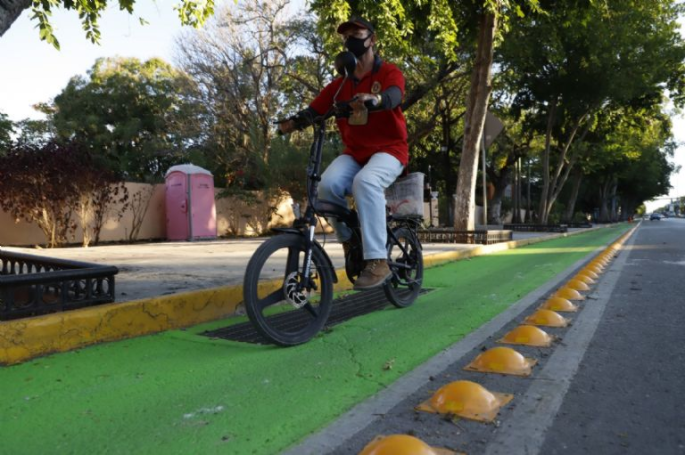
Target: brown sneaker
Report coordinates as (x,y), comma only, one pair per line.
(375,274)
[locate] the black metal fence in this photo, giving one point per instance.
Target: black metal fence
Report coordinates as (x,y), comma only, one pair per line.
(557,228)
(31,285)
(464,236)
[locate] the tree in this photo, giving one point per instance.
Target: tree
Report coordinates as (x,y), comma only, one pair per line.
(477,103)
(99,188)
(625,161)
(136,115)
(6,130)
(252,66)
(191,12)
(34,132)
(47,184)
(621,53)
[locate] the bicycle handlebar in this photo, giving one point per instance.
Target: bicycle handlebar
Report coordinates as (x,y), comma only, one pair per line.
(341,108)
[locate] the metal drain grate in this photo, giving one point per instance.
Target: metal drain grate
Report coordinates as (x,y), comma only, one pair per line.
(343,310)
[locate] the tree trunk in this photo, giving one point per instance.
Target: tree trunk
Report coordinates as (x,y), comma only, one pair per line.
(449,188)
(559,178)
(477,103)
(10,10)
(529,216)
(578,177)
(495,204)
(613,201)
(445,150)
(626,208)
(495,210)
(517,197)
(545,163)
(604,195)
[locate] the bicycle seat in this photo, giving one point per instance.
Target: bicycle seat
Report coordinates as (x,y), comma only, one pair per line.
(327,208)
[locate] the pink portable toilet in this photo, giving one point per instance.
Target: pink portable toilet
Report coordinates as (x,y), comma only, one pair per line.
(191,213)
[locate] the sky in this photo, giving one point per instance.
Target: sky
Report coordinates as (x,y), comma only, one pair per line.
(33,71)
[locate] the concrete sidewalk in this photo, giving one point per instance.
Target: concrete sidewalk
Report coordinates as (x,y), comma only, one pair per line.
(156,269)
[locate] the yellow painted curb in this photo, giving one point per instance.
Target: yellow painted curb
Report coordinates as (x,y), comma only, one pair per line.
(24,339)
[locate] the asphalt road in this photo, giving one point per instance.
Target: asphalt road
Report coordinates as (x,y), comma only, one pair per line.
(628,395)
(614,385)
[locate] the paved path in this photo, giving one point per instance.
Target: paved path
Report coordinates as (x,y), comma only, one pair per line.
(154,269)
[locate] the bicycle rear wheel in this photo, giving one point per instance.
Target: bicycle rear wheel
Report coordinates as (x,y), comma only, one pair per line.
(407,267)
(280,312)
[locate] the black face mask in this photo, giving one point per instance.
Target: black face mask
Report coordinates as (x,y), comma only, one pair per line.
(356,45)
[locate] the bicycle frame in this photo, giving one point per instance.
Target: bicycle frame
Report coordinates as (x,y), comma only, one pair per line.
(313,178)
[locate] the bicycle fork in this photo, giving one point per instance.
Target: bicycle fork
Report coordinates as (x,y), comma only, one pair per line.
(307,265)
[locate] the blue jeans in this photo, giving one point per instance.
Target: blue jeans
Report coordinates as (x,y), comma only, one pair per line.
(367,185)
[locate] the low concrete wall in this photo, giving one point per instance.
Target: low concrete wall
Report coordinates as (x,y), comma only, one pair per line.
(234,218)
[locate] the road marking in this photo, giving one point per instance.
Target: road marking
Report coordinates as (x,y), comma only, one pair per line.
(670,262)
(524,430)
(363,414)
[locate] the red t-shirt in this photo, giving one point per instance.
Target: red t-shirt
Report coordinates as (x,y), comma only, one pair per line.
(385,131)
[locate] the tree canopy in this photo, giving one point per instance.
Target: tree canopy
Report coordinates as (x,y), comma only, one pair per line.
(580,87)
(134,114)
(190,12)
(568,68)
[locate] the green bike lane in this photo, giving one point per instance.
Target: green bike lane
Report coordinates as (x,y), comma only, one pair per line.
(180,392)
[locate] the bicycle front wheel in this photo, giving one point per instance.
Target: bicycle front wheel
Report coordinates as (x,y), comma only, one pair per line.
(282,311)
(406,261)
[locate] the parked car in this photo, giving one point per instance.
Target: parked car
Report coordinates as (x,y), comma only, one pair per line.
(655,217)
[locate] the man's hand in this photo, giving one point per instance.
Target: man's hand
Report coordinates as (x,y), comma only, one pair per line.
(358,103)
(287,126)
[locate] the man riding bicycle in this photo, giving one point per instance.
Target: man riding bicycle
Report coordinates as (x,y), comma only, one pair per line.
(375,140)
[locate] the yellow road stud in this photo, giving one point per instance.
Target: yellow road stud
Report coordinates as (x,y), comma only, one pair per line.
(569,294)
(560,304)
(527,335)
(502,360)
(401,445)
(577,285)
(583,278)
(466,399)
(594,268)
(597,264)
(590,272)
(547,318)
